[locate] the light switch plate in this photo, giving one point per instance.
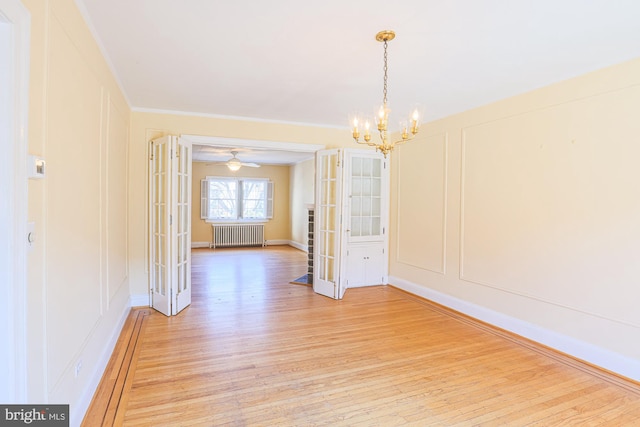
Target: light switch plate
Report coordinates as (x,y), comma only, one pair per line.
(36,167)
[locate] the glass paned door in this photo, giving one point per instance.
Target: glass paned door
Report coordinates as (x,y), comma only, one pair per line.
(160,212)
(326,262)
(182,241)
(170,224)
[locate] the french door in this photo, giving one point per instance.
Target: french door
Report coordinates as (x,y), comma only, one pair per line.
(170,224)
(351,221)
(326,264)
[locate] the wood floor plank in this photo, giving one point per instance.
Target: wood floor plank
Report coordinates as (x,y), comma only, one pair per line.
(253,349)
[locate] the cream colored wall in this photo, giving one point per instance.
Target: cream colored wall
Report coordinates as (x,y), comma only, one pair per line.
(146,126)
(78,287)
(529,208)
(302,194)
(277,228)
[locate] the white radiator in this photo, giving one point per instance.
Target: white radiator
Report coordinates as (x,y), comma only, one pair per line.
(235,235)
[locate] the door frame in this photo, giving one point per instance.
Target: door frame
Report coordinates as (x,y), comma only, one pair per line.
(15,47)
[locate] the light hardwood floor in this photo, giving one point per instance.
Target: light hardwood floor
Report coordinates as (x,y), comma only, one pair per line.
(253,349)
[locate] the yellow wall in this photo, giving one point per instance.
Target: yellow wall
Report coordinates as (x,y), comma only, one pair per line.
(78,285)
(146,126)
(302,194)
(277,228)
(529,208)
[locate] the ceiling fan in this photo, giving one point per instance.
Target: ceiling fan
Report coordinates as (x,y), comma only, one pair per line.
(234,163)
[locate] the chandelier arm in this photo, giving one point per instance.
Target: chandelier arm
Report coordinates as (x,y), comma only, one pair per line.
(370,144)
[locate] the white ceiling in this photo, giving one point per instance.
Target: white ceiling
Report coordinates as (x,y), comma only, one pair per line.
(314,62)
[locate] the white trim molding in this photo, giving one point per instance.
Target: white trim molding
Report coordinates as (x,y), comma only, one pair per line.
(15,33)
(276,242)
(606,359)
(196,245)
(304,248)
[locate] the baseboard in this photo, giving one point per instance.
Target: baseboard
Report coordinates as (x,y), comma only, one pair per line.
(303,248)
(277,242)
(195,245)
(79,410)
(139,300)
(590,354)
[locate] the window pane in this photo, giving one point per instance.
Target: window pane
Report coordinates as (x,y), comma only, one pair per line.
(223,196)
(254,199)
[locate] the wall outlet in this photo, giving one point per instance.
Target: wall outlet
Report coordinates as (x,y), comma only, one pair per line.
(78,368)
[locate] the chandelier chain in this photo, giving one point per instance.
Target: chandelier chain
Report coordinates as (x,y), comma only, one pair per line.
(384,90)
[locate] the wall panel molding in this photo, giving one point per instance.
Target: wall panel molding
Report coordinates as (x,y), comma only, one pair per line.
(545,211)
(422,199)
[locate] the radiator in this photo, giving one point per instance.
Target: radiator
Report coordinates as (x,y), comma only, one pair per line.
(236,235)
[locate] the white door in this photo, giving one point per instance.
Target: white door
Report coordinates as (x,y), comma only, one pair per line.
(170,224)
(326,262)
(182,224)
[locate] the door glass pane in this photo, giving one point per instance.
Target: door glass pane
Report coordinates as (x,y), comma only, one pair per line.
(366,187)
(330,269)
(331,241)
(156,278)
(331,218)
(366,206)
(376,168)
(366,167)
(375,206)
(356,206)
(355,226)
(162,279)
(185,216)
(356,166)
(365,226)
(356,186)
(185,271)
(376,187)
(375,226)
(322,268)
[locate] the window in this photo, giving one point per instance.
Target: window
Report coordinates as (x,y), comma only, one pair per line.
(236,199)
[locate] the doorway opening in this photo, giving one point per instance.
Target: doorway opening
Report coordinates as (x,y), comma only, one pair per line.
(211,157)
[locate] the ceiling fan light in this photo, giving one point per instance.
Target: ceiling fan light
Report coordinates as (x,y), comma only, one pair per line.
(234,164)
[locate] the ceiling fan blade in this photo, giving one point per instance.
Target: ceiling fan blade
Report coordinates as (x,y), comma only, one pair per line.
(250,165)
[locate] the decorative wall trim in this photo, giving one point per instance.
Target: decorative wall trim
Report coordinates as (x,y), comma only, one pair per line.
(585,353)
(443,138)
(200,245)
(140,300)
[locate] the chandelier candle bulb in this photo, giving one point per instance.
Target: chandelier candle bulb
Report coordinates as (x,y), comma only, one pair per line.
(415,118)
(404,128)
(356,129)
(367,134)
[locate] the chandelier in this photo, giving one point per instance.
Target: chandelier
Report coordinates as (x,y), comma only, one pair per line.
(408,128)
